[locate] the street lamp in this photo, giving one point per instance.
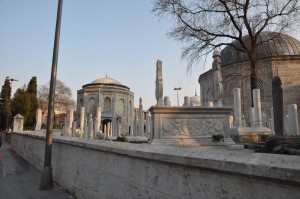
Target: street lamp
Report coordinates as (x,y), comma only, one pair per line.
(177,89)
(47,180)
(10,80)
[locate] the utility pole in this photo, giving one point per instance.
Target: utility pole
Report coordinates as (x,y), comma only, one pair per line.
(47,180)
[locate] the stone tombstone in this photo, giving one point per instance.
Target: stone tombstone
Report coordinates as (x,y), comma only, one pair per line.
(18,123)
(98,124)
(237,107)
(90,128)
(257,108)
(38,124)
(85,135)
(141,119)
(293,129)
(277,106)
(187,101)
(210,104)
(74,124)
(159,84)
(166,101)
(251,115)
(217,85)
(82,110)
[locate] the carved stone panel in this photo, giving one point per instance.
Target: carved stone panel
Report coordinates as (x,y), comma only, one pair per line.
(191,127)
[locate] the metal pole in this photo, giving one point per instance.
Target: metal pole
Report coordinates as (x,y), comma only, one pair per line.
(47,181)
(177,99)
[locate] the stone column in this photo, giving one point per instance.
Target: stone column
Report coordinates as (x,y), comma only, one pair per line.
(105,131)
(187,101)
(286,125)
(210,104)
(237,107)
(147,122)
(82,112)
(159,84)
(264,120)
(230,121)
(272,121)
(70,118)
(257,108)
(251,115)
(85,128)
(98,122)
(134,123)
(293,120)
(141,119)
(38,124)
(113,125)
(74,129)
(91,127)
(131,128)
(166,101)
(109,129)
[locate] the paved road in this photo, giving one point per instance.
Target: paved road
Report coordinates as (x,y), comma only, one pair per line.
(20,180)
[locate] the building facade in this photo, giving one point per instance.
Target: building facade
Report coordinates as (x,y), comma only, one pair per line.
(109,94)
(278,55)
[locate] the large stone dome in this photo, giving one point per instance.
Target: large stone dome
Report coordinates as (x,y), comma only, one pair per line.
(271,44)
(106,80)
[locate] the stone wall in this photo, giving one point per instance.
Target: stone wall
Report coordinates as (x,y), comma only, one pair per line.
(105,169)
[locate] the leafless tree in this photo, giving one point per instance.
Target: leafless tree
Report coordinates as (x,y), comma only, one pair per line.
(63,97)
(206,25)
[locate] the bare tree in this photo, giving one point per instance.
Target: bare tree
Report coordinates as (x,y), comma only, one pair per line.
(63,97)
(206,25)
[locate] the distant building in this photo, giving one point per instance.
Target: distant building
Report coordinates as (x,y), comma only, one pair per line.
(102,93)
(279,56)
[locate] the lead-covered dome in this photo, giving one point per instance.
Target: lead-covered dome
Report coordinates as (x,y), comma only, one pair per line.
(106,80)
(271,44)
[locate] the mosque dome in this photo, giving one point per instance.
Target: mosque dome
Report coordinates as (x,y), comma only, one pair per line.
(271,44)
(106,81)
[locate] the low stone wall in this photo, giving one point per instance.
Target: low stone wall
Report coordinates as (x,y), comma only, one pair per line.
(105,169)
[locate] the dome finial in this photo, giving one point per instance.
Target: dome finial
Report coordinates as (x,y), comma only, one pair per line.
(195,92)
(106,75)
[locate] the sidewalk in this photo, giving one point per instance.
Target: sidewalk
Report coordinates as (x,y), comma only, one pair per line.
(20,180)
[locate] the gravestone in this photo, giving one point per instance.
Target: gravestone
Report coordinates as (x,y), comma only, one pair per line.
(38,125)
(18,123)
(166,101)
(217,91)
(159,84)
(277,105)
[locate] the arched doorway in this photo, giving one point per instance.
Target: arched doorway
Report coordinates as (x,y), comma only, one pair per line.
(105,123)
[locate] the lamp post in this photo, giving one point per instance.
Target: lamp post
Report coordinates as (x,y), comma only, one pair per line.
(47,180)
(177,89)
(10,80)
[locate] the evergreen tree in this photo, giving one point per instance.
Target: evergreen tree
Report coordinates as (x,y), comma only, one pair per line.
(5,113)
(20,104)
(32,94)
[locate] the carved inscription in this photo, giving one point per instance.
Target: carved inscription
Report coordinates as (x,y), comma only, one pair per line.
(192,127)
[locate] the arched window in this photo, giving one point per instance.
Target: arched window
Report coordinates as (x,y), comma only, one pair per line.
(107,104)
(121,106)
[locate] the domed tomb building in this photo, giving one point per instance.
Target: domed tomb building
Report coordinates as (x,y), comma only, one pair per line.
(277,55)
(107,92)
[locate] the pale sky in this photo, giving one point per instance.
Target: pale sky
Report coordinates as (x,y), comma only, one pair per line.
(121,38)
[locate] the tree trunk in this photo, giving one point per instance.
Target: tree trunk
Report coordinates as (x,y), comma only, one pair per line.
(253,69)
